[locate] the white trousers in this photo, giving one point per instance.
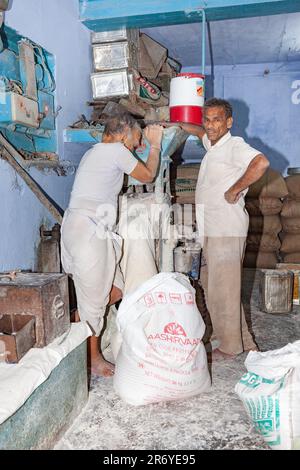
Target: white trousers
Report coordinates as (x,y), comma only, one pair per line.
(96,263)
(92,260)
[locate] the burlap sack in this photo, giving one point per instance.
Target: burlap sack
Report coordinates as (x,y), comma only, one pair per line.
(185,197)
(271,184)
(292,258)
(290,243)
(291,225)
(188,171)
(260,260)
(290,208)
(266,242)
(263,206)
(265,224)
(293,185)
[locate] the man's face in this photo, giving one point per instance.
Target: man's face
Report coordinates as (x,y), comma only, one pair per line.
(133,139)
(215,123)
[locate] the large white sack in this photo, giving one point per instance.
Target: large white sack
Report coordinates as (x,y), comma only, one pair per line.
(270,392)
(162,357)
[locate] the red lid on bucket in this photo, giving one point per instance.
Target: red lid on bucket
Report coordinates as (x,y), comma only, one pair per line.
(190,75)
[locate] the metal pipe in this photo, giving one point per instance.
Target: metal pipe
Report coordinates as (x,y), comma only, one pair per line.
(203,40)
(212,65)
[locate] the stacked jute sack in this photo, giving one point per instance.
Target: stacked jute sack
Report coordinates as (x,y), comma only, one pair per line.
(290,220)
(183,186)
(186,182)
(264,204)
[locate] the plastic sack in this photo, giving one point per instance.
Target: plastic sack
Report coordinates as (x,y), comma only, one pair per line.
(162,357)
(270,392)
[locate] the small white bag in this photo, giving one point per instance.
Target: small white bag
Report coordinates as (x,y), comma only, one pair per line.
(270,392)
(162,357)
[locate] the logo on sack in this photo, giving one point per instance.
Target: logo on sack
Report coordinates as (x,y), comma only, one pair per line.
(175,298)
(149,300)
(174,329)
(174,333)
(161,297)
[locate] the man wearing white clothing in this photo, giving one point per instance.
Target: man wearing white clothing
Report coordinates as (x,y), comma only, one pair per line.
(229,167)
(91,250)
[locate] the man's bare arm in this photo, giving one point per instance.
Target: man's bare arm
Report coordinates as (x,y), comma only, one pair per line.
(254,172)
(191,129)
(146,172)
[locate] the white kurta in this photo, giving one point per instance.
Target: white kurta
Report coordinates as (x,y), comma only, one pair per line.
(90,248)
(223,165)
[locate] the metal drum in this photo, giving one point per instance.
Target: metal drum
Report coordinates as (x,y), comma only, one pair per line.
(295,268)
(276,291)
(187,98)
(187,259)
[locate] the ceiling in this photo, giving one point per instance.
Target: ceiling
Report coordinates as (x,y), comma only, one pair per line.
(273,38)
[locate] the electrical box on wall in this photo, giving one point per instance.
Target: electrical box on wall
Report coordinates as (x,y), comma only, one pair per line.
(27,96)
(18,109)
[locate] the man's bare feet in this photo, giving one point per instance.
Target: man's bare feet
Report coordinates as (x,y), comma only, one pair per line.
(216,356)
(96,362)
(101,367)
(255,349)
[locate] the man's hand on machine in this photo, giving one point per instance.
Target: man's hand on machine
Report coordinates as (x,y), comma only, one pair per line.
(146,172)
(153,134)
(232,196)
(191,129)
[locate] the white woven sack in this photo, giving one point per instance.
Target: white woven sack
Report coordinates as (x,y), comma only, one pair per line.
(162,357)
(270,392)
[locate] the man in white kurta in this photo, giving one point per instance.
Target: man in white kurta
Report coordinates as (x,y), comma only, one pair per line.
(228,168)
(90,247)
(224,228)
(91,250)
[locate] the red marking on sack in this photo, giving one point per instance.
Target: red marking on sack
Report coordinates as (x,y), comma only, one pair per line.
(189,298)
(149,301)
(161,297)
(174,329)
(176,298)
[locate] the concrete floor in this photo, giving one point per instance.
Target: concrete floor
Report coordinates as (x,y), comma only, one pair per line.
(213,420)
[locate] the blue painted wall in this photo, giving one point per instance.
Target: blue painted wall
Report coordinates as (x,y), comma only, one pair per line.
(53,24)
(266,102)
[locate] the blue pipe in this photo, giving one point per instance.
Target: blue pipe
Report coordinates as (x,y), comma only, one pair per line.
(203,40)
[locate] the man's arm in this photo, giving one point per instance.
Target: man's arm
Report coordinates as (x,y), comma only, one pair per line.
(254,172)
(146,172)
(191,129)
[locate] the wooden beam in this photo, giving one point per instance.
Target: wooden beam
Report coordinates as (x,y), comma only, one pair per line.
(14,159)
(101,15)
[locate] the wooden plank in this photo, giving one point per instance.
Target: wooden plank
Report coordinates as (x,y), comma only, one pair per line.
(14,159)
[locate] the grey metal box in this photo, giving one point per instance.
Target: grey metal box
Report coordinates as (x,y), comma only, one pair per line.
(121,34)
(113,83)
(276,290)
(111,56)
(114,56)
